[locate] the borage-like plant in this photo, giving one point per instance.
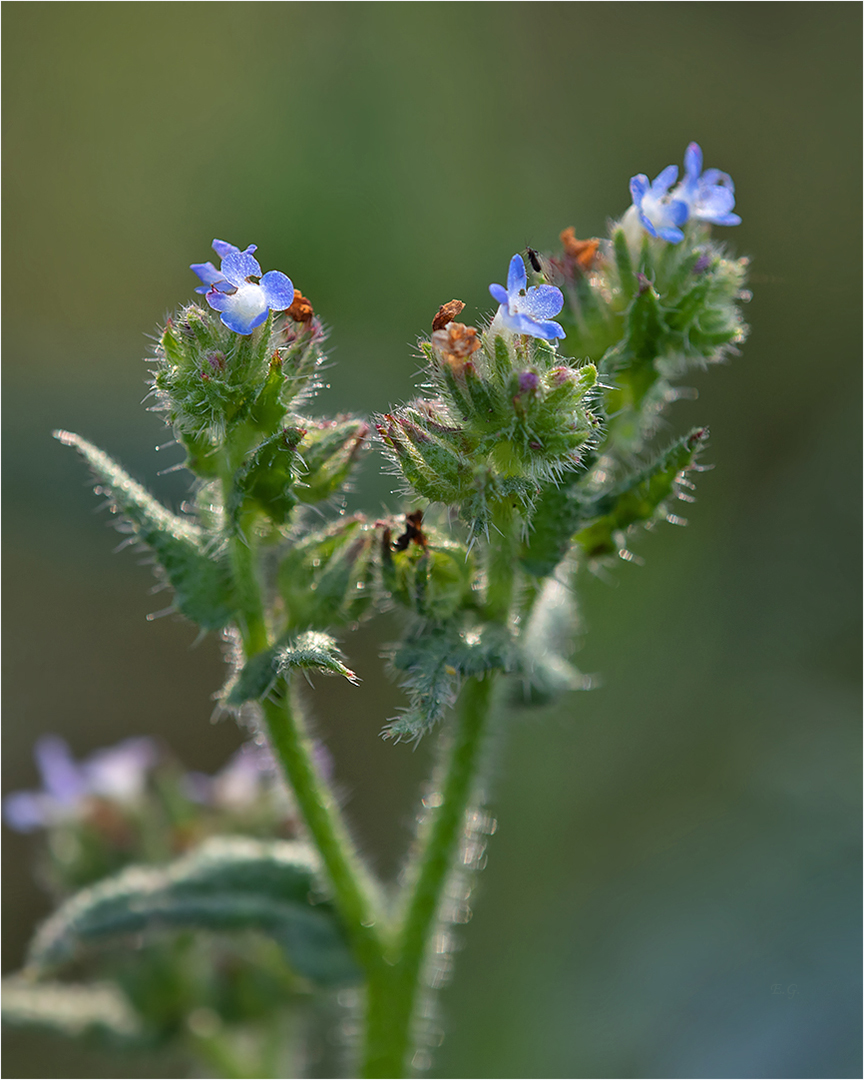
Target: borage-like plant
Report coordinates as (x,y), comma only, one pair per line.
(529,455)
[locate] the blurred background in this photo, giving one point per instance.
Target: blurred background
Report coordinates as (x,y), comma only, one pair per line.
(673,888)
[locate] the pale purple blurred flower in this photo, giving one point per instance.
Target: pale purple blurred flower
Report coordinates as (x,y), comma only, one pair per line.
(117,773)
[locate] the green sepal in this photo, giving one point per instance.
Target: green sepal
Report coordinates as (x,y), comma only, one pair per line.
(202,581)
(228,884)
(435,659)
(265,480)
(328,454)
(624,263)
(327,578)
(639,499)
(93,1011)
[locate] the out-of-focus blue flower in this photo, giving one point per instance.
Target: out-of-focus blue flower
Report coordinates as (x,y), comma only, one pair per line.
(709,195)
(528,311)
(118,773)
(239,291)
(239,784)
(660,213)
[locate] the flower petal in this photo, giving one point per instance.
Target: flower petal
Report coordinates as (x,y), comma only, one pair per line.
(670,234)
(638,188)
(278,290)
(499,293)
(222,248)
(664,180)
(61,777)
(541,302)
(517,278)
(24,811)
(693,161)
(239,265)
(242,323)
(207,272)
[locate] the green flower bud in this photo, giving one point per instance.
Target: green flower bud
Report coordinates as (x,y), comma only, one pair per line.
(327,579)
(429,575)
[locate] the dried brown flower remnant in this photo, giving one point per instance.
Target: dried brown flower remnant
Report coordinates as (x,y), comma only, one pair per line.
(446,314)
(582,252)
(413,531)
(301,309)
(456,342)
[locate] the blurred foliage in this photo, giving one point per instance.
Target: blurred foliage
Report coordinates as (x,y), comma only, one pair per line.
(691,850)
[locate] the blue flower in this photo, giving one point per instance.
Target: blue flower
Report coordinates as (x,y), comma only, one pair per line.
(117,773)
(709,195)
(239,291)
(660,213)
(528,311)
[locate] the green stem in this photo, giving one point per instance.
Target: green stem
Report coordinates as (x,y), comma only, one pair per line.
(393,989)
(353,892)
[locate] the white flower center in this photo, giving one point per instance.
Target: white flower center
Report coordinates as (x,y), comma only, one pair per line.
(248,302)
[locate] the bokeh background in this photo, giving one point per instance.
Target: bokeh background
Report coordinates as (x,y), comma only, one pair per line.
(673,888)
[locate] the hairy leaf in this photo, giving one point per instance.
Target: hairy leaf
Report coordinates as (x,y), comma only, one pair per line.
(201,582)
(71,1009)
(228,884)
(435,660)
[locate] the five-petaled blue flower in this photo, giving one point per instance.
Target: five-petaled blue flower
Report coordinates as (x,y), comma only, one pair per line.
(710,196)
(239,291)
(661,214)
(528,311)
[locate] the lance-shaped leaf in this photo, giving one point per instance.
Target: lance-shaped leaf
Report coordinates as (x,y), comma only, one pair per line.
(543,671)
(228,884)
(640,499)
(435,659)
(312,651)
(76,1010)
(202,583)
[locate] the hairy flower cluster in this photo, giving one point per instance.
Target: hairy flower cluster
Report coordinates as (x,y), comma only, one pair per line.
(509,413)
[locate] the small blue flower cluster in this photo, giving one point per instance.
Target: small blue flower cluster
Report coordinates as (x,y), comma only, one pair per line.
(703,196)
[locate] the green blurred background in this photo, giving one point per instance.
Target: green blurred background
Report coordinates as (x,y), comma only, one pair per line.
(673,889)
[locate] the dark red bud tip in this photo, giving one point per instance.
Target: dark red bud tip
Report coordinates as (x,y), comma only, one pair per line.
(528,381)
(644,283)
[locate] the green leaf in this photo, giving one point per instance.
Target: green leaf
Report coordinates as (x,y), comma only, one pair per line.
(558,514)
(228,884)
(201,581)
(543,671)
(435,659)
(312,651)
(72,1009)
(639,499)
